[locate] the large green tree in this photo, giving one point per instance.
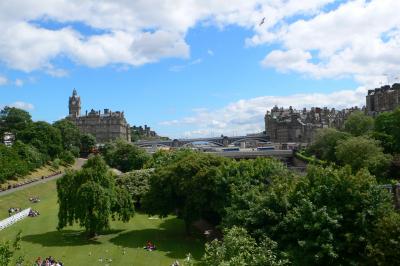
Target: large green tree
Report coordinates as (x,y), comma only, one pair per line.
(70,135)
(363,152)
(14,120)
(328,217)
(189,187)
(358,123)
(90,198)
(387,130)
(137,184)
(239,248)
(44,137)
(125,156)
(324,145)
(88,142)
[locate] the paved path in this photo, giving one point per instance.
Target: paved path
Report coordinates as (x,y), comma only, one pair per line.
(78,164)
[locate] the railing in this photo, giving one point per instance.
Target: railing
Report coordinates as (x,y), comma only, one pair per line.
(14,218)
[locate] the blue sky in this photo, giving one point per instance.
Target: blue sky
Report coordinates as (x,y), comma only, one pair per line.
(207,71)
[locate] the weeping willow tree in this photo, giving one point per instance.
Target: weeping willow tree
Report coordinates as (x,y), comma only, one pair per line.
(90,198)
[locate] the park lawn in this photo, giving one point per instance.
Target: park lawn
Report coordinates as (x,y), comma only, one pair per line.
(123,244)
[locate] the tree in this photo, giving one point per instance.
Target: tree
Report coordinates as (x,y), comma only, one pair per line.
(88,142)
(189,187)
(387,130)
(362,152)
(162,158)
(14,120)
(7,250)
(383,247)
(239,248)
(358,123)
(324,145)
(136,183)
(70,135)
(89,197)
(11,164)
(124,156)
(44,137)
(327,217)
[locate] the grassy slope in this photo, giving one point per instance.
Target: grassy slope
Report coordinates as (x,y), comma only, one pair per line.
(40,237)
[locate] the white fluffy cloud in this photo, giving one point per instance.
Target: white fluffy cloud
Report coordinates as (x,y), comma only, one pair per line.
(359,39)
(126,32)
(22,105)
(247,116)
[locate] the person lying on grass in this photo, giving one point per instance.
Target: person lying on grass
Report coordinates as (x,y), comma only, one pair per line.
(150,246)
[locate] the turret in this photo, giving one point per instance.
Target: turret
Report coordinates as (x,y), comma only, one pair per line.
(74,105)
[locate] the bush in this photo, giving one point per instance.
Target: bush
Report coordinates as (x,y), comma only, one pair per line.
(67,158)
(136,183)
(55,164)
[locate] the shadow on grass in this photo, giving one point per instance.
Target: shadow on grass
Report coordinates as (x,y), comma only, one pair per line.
(170,238)
(63,238)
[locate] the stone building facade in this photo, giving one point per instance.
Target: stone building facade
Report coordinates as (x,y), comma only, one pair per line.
(290,125)
(144,131)
(385,98)
(105,126)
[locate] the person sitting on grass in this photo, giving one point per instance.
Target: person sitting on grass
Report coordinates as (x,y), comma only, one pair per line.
(34,199)
(33,213)
(150,246)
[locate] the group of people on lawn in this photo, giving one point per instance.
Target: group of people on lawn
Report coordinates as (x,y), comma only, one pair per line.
(49,261)
(32,213)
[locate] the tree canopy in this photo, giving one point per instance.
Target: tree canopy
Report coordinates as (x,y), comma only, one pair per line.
(90,198)
(70,135)
(14,120)
(358,123)
(327,217)
(326,140)
(124,156)
(239,248)
(363,152)
(189,187)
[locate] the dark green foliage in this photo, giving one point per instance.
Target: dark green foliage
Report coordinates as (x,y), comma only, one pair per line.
(362,152)
(88,142)
(191,187)
(29,154)
(163,158)
(238,248)
(387,128)
(14,120)
(11,164)
(136,183)
(324,145)
(124,156)
(325,218)
(383,248)
(67,158)
(358,124)
(44,137)
(89,197)
(7,250)
(70,135)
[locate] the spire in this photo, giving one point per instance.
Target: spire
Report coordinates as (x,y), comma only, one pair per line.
(74,93)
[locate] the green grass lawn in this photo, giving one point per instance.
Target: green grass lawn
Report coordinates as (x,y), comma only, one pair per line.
(123,244)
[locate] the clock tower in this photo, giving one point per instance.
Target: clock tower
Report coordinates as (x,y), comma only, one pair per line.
(74,105)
